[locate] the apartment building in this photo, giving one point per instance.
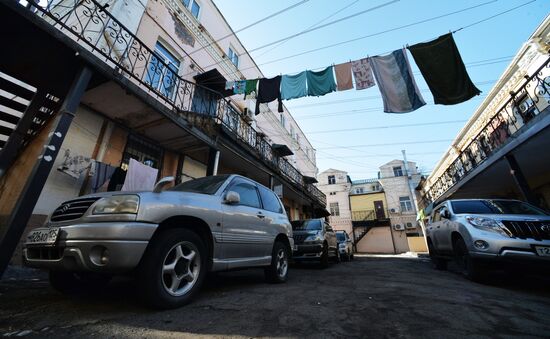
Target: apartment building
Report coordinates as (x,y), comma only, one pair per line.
(91,85)
(336,185)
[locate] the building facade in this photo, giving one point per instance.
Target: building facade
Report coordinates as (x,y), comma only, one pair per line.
(336,185)
(498,153)
(111,81)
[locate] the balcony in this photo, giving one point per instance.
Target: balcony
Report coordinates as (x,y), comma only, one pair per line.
(525,107)
(91,26)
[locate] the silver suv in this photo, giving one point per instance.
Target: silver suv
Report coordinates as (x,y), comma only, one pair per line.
(477,232)
(168,239)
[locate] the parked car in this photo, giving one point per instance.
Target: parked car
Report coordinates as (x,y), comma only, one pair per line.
(314,239)
(345,245)
(478,232)
(168,239)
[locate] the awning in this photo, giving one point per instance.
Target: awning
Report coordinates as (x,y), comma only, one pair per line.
(321,213)
(213,80)
(310,180)
(282,150)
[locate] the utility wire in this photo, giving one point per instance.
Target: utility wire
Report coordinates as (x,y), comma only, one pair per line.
(251,25)
(387,144)
(387,127)
(325,25)
(314,25)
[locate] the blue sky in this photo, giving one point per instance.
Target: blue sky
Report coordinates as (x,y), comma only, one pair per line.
(486,49)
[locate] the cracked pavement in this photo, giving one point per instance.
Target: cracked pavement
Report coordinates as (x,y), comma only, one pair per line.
(373,296)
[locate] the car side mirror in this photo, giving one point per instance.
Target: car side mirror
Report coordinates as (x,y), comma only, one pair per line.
(445,214)
(161,183)
(232,198)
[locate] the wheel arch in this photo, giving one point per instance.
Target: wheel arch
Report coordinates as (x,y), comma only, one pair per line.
(197,225)
(284,239)
(454,237)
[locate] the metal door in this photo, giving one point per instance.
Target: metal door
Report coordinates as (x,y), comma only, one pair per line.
(379,209)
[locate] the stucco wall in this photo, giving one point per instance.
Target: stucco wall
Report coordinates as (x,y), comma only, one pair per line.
(364,202)
(377,240)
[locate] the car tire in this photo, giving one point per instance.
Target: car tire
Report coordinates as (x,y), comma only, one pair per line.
(437,262)
(469,267)
(337,257)
(352,257)
(74,282)
(324,256)
(277,272)
(173,257)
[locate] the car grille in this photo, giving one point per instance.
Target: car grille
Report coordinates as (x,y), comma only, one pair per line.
(299,238)
(44,253)
(529,229)
(73,209)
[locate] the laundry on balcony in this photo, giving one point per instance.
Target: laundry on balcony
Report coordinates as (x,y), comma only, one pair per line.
(442,67)
(321,82)
(269,90)
(343,76)
(294,86)
(396,82)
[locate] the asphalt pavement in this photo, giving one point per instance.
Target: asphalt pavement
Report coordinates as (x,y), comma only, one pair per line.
(373,296)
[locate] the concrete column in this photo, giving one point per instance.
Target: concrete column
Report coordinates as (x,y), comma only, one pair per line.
(520,180)
(213,161)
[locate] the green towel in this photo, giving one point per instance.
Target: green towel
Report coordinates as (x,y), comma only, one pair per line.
(294,86)
(320,83)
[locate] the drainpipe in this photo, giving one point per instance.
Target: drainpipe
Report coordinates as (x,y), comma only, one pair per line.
(409,183)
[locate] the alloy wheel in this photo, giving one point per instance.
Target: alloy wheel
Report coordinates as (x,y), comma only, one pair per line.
(180,268)
(282,263)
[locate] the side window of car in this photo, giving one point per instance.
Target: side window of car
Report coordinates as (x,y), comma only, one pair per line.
(328,228)
(270,201)
(437,217)
(247,192)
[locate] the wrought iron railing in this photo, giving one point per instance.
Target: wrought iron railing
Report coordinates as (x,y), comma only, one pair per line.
(364,215)
(528,102)
(90,23)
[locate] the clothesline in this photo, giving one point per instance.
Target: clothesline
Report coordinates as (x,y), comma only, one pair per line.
(439,62)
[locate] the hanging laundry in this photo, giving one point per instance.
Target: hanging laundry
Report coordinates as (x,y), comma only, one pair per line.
(294,86)
(229,85)
(269,90)
(440,63)
(396,82)
(100,175)
(250,89)
(117,180)
(239,87)
(321,82)
(343,76)
(362,73)
(139,177)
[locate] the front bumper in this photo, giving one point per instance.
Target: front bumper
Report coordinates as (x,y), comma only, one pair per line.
(307,251)
(510,249)
(80,247)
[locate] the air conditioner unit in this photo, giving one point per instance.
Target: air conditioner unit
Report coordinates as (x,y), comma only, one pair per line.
(248,114)
(394,210)
(410,225)
(398,227)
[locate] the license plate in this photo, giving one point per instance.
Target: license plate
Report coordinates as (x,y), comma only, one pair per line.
(43,236)
(543,251)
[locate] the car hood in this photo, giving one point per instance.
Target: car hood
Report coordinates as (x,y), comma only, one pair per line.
(513,217)
(304,232)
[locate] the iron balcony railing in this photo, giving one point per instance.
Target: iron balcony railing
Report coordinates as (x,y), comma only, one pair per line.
(530,101)
(93,27)
(372,215)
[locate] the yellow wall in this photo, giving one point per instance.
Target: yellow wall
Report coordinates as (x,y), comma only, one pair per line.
(417,244)
(366,201)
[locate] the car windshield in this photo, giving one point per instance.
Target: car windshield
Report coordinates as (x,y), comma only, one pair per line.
(495,207)
(309,225)
(204,185)
(341,236)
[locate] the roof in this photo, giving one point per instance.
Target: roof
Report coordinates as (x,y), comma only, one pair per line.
(364,181)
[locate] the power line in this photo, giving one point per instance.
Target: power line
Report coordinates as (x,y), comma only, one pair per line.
(387,127)
(314,25)
(251,25)
(325,25)
(387,144)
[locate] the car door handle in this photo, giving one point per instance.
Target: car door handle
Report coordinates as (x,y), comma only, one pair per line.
(438,226)
(260,215)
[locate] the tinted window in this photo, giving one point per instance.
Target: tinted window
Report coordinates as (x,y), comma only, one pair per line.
(328,228)
(307,225)
(270,200)
(494,207)
(341,237)
(248,193)
(205,185)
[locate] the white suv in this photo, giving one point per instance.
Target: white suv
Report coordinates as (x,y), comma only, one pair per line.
(479,231)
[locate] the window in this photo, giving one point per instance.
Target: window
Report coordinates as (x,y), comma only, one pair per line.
(334,209)
(247,192)
(397,171)
(494,207)
(162,71)
(359,190)
(142,151)
(292,132)
(406,205)
(270,200)
(283,121)
(332,193)
(233,56)
(331,180)
(193,6)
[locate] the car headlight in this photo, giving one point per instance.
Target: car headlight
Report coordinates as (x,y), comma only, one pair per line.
(342,245)
(314,237)
(488,224)
(117,204)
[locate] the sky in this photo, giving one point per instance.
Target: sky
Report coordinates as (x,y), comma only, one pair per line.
(486,48)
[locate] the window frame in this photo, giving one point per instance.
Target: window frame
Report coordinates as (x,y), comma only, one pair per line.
(409,201)
(237,181)
(333,179)
(396,170)
(232,54)
(337,210)
(281,207)
(163,53)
